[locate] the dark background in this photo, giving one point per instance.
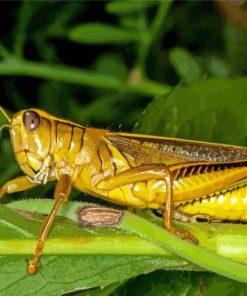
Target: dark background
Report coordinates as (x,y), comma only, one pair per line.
(194,25)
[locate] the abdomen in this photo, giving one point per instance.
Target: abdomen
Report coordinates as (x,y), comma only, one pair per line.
(227,204)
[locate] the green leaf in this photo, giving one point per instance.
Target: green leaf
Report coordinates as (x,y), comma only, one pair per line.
(121,8)
(100,33)
(93,269)
(62,274)
(210,110)
(225,240)
(74,257)
(101,291)
(172,283)
(111,64)
(179,283)
(185,65)
(216,66)
(219,285)
(236,46)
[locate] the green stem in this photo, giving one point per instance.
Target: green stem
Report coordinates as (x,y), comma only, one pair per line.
(4,53)
(216,240)
(121,245)
(195,254)
(158,23)
(149,37)
(19,236)
(150,87)
(14,66)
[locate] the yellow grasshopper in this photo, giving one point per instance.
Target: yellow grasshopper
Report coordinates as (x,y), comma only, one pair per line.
(139,171)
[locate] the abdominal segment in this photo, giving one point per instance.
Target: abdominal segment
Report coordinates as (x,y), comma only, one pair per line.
(228,204)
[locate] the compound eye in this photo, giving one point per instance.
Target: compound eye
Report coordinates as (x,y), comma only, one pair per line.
(31,120)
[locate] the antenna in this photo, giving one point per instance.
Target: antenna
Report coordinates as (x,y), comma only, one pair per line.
(5,114)
(5,126)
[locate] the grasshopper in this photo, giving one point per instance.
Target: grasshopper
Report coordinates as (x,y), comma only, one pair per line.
(139,171)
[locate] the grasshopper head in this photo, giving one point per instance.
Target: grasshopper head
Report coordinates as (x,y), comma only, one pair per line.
(31,139)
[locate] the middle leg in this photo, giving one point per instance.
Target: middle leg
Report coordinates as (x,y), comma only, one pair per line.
(146,173)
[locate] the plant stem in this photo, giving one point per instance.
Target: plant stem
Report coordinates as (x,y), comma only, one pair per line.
(4,53)
(195,254)
(18,237)
(15,66)
(157,25)
(149,37)
(121,245)
(216,240)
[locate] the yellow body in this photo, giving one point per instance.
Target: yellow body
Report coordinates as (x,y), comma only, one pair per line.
(227,204)
(99,161)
